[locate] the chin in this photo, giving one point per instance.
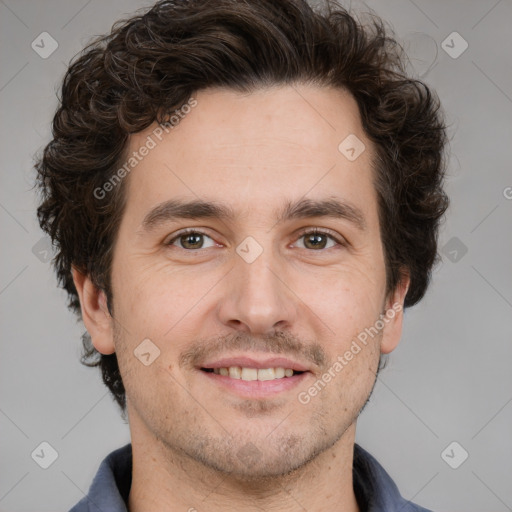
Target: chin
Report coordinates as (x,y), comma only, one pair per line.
(257,461)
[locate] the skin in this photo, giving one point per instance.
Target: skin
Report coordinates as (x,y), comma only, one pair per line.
(252,152)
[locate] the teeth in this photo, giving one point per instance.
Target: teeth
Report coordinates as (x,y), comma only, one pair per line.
(249,374)
(266,374)
(236,372)
(279,373)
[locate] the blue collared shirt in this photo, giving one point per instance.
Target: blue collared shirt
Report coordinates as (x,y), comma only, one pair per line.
(374,489)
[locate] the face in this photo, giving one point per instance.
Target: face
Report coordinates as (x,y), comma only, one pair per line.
(253,288)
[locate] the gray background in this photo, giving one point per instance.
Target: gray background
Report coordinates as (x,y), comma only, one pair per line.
(450,378)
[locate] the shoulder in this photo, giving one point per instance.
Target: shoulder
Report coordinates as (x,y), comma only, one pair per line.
(375,489)
(111,485)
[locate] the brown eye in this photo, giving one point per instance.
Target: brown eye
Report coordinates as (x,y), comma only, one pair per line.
(317,240)
(190,240)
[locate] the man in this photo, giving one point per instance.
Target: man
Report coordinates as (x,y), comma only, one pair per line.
(245,197)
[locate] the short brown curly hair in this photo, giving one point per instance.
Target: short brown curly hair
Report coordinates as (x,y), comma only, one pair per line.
(153,62)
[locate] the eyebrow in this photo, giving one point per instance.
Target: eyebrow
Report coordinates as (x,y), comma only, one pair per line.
(176,209)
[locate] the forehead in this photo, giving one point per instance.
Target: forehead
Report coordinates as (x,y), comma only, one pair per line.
(251,149)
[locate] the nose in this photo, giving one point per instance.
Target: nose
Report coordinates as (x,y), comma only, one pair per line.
(257,298)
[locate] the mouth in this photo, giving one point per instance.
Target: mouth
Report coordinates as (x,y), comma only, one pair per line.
(250,378)
(249,374)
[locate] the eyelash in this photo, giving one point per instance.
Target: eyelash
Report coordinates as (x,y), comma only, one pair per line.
(305,232)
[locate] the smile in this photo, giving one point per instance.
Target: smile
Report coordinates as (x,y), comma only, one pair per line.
(251,374)
(254,383)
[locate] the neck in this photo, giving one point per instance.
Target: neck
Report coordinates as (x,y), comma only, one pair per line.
(164,479)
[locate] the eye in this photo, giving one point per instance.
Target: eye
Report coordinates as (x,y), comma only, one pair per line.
(317,239)
(314,239)
(190,239)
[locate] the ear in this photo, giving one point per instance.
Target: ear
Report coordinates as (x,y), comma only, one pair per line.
(95,314)
(393,315)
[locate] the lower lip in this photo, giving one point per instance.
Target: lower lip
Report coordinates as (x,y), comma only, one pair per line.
(256,388)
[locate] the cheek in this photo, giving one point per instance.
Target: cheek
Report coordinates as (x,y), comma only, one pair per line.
(346,297)
(348,308)
(171,308)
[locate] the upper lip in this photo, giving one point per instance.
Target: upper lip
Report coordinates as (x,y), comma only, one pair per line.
(251,362)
